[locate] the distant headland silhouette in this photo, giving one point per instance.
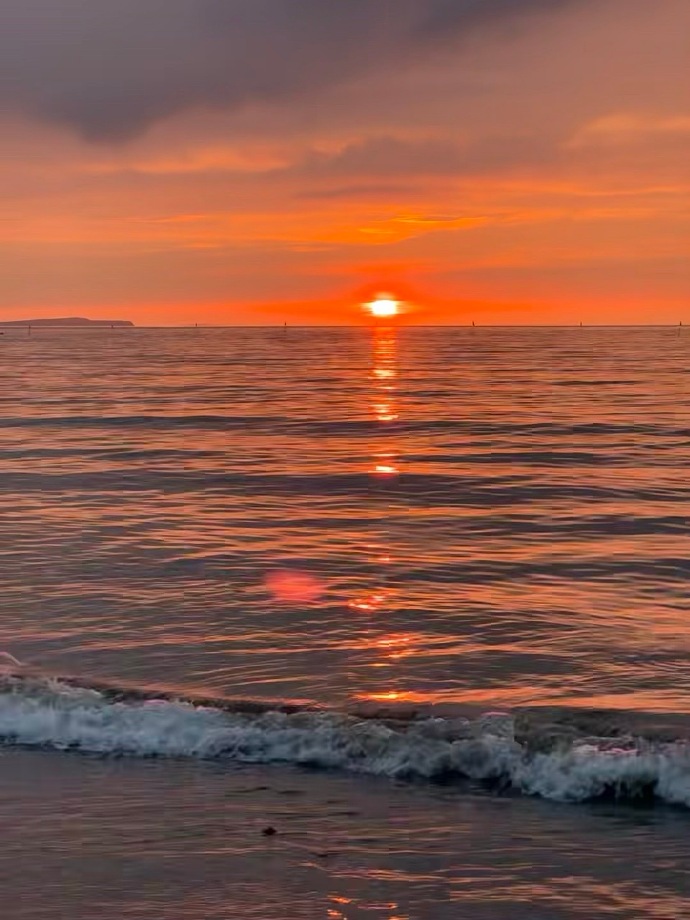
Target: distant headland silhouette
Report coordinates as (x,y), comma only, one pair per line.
(67,321)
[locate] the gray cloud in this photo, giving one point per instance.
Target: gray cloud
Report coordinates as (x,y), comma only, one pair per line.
(357,191)
(390,156)
(111,68)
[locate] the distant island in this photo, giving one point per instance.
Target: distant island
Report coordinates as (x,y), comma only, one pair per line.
(67,321)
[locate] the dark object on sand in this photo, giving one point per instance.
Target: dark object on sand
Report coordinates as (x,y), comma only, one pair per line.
(269,831)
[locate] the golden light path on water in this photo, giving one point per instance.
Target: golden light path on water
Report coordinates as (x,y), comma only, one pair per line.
(384,462)
(384,647)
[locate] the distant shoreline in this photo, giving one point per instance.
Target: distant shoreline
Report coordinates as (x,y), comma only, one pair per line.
(67,321)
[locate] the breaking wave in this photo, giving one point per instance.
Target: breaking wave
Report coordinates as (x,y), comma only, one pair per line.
(564,755)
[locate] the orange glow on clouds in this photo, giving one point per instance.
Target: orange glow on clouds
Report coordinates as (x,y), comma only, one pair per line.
(543,191)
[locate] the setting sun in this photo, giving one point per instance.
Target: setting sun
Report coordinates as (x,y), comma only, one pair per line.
(384,306)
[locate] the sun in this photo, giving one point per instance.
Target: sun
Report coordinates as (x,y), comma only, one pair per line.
(383,306)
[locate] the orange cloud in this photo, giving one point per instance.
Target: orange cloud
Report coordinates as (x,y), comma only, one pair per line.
(507,183)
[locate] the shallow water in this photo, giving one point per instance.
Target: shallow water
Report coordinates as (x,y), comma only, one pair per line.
(490,515)
(165,841)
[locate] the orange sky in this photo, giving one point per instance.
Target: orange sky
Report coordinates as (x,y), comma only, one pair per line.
(531,170)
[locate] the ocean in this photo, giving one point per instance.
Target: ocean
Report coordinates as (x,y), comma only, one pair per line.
(383,622)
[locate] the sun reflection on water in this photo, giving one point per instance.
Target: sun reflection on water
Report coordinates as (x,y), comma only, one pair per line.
(380,908)
(385,465)
(381,648)
(384,403)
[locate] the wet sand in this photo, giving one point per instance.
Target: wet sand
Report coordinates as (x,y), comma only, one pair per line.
(87,837)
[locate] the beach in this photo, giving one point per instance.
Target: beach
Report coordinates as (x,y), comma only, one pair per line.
(377,622)
(177,841)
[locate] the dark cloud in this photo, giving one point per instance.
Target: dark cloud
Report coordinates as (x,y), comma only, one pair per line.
(351,192)
(391,156)
(111,68)
(445,17)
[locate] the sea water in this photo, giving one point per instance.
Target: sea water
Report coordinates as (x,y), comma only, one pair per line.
(444,571)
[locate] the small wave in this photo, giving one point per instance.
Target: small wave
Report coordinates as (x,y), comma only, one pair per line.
(9,663)
(493,428)
(532,752)
(153,422)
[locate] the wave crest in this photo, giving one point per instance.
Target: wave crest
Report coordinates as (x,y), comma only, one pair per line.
(522,752)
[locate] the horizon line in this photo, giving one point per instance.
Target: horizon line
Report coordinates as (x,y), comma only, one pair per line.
(382,325)
(45,324)
(368,324)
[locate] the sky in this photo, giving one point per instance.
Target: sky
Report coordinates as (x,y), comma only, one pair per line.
(270,161)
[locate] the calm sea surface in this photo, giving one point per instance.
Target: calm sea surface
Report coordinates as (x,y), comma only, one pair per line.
(436,514)
(373,516)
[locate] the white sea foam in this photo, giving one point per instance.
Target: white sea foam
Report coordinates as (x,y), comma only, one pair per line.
(51,713)
(8,663)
